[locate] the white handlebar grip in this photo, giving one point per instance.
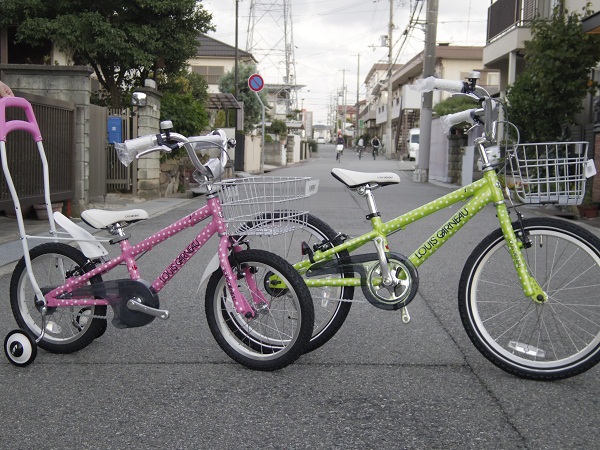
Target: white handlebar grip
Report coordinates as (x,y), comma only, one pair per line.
(450,120)
(128,150)
(448,85)
(430,83)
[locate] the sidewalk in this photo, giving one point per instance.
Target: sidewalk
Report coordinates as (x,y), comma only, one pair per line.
(11,248)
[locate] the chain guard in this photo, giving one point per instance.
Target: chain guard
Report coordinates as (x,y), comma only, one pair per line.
(118,293)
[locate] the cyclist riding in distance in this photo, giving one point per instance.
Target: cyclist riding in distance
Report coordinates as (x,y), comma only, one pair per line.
(339,146)
(376,143)
(360,146)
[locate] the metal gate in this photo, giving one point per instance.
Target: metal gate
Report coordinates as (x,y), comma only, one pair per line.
(118,177)
(98,150)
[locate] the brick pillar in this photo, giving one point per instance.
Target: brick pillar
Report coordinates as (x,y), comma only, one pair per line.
(455,146)
(148,167)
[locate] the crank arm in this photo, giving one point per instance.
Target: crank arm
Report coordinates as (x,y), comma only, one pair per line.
(135,305)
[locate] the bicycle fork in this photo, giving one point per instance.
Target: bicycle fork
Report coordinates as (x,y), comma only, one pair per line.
(515,244)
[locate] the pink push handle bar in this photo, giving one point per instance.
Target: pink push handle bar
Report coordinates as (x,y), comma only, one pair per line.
(30,126)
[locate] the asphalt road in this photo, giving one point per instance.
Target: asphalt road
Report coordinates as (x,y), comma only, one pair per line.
(378,384)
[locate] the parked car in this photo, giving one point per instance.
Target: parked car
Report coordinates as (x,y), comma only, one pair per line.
(320,140)
(413,143)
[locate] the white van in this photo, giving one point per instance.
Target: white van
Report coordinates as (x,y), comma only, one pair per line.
(413,144)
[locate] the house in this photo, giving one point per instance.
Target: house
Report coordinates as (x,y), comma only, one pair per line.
(214,59)
(452,62)
(509,26)
(373,82)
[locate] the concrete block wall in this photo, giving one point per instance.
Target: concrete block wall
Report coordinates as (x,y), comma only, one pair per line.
(68,83)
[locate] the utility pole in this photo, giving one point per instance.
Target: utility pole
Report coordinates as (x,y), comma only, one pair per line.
(357,129)
(421,173)
(388,123)
(344,100)
(237,5)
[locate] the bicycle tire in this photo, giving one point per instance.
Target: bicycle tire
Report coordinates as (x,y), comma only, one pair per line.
(69,328)
(541,341)
(330,309)
(279,333)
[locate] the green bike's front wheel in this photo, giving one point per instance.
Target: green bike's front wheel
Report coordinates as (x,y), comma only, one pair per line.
(556,339)
(331,303)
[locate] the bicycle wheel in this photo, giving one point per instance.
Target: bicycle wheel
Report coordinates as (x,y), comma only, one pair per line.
(281,329)
(330,309)
(67,329)
(556,339)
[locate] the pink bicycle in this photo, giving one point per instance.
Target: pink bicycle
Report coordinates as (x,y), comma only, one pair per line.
(258,308)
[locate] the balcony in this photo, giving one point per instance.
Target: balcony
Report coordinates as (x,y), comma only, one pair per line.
(509,27)
(506,15)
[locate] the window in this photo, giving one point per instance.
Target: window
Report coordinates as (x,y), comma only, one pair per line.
(211,74)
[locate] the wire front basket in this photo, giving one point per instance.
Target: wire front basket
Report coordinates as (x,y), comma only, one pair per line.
(552,172)
(265,205)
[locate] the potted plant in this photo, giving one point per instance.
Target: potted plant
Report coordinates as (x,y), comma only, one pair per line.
(42,213)
(588,207)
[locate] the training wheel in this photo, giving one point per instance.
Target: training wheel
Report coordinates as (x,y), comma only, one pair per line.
(20,348)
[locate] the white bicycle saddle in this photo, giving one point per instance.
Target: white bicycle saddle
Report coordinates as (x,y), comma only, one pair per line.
(354,179)
(100,218)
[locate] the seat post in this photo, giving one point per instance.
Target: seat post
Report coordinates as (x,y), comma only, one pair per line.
(367,192)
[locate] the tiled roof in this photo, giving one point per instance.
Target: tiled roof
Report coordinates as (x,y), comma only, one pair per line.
(210,47)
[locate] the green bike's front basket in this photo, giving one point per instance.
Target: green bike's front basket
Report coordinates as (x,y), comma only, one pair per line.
(551,172)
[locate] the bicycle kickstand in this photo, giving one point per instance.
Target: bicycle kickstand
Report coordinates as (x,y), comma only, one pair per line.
(405,315)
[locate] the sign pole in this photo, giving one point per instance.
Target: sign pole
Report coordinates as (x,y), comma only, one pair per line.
(262,149)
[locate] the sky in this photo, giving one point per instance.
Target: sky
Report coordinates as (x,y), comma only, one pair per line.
(336,42)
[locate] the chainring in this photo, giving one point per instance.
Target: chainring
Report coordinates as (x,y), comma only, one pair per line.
(396,296)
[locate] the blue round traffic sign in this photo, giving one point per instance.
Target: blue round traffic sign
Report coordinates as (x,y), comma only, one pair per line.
(256,82)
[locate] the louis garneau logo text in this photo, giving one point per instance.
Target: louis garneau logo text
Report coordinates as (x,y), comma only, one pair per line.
(442,233)
(180,261)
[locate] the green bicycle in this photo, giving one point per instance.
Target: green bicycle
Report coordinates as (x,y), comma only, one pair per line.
(528,294)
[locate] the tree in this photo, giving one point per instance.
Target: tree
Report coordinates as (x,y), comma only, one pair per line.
(278,127)
(184,103)
(124,41)
(545,99)
(252,107)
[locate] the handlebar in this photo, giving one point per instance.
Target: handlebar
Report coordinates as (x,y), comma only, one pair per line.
(486,114)
(168,141)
